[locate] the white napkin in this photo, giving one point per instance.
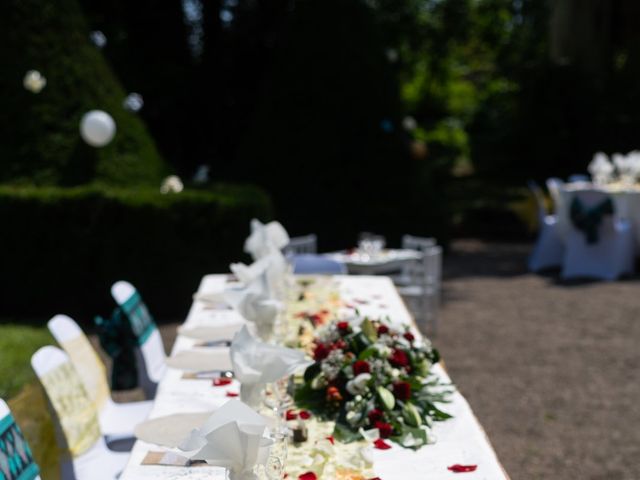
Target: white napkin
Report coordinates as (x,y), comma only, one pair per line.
(256,363)
(255,306)
(263,237)
(233,438)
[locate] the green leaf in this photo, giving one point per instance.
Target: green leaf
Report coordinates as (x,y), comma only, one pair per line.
(367,353)
(343,433)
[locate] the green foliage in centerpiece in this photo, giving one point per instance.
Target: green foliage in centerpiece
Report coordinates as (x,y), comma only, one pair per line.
(372,375)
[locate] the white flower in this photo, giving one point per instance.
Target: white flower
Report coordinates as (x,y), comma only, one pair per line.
(359,384)
(171,184)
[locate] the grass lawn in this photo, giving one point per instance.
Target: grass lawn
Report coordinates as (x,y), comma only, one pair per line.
(18,385)
(17,343)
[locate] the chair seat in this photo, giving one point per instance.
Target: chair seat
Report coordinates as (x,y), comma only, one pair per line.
(118,420)
(99,463)
(549,249)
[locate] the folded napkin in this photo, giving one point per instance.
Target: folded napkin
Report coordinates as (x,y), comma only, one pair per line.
(256,363)
(255,306)
(169,430)
(198,360)
(268,271)
(263,236)
(233,438)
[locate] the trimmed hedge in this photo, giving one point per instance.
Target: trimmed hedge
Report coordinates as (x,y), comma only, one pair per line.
(39,138)
(61,249)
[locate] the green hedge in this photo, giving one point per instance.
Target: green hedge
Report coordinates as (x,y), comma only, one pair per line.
(61,249)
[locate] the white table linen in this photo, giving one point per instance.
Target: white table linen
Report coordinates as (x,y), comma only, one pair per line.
(460,440)
(385,261)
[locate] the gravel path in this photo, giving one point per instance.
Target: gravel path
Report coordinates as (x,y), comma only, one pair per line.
(550,369)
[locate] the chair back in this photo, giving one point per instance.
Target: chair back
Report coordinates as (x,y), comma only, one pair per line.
(151,356)
(538,196)
(554,186)
(421,244)
(308,264)
(16,459)
(83,357)
(426,272)
(74,413)
(592,212)
(302,245)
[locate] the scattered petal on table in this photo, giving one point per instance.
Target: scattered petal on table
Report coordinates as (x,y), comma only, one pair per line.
(457,468)
(380,444)
(308,476)
(232,394)
(221,381)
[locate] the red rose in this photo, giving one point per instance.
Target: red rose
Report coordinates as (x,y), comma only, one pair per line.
(375,415)
(343,327)
(320,352)
(386,430)
(382,329)
(361,366)
(399,358)
(409,336)
(339,345)
(402,390)
(305,415)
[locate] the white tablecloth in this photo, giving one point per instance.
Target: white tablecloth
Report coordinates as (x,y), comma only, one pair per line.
(626,203)
(459,440)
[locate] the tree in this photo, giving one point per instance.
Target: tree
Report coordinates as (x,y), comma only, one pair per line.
(39,139)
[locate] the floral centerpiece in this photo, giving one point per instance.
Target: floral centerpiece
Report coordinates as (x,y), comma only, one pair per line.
(371,375)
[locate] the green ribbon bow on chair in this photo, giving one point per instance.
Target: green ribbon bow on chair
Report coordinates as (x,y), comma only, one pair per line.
(588,219)
(118,340)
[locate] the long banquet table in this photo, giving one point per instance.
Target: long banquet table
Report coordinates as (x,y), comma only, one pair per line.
(460,440)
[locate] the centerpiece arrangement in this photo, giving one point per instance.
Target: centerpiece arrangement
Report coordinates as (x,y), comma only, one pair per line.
(370,375)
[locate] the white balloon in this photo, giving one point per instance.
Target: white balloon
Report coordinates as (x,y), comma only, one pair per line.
(34,81)
(97,128)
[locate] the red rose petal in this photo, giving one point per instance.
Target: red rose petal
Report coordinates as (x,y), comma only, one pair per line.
(380,444)
(308,476)
(220,381)
(457,468)
(232,394)
(331,439)
(305,415)
(291,415)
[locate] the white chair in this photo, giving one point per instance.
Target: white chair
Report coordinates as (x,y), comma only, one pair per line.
(117,420)
(422,293)
(75,418)
(14,449)
(302,245)
(610,256)
(548,251)
(150,354)
(554,186)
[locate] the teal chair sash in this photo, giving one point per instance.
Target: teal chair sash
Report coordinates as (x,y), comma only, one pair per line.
(16,459)
(589,219)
